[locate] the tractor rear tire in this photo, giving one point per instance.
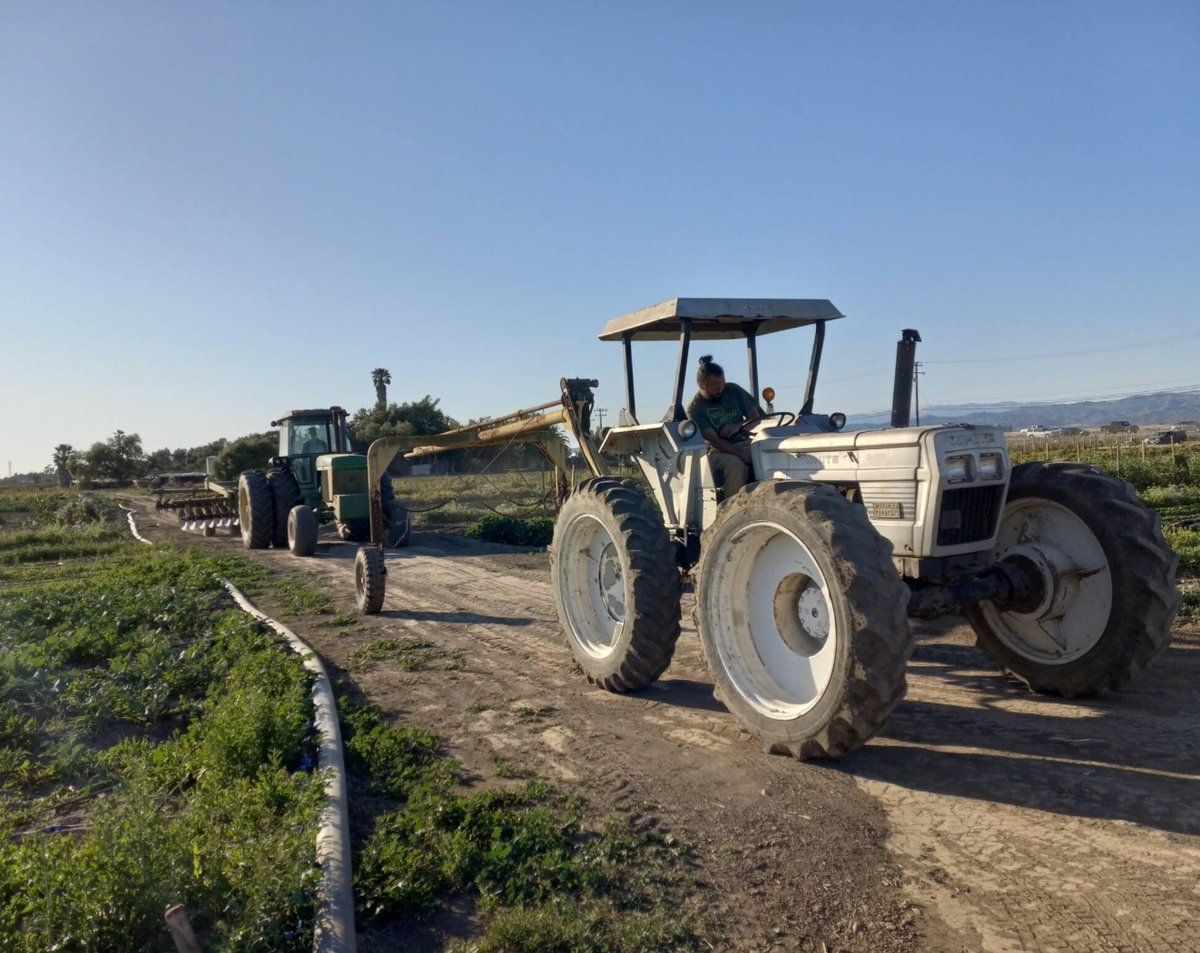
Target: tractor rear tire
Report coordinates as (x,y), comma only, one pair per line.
(616,586)
(285,492)
(802,617)
(302,530)
(370,579)
(1109,594)
(397,527)
(256,510)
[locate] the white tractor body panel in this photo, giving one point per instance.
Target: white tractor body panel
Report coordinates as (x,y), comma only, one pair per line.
(931,491)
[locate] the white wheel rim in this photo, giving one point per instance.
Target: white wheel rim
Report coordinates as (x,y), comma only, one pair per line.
(591,576)
(772,620)
(1077,602)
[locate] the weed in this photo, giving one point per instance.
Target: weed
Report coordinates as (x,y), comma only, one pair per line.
(412,655)
(542,880)
(296,598)
(513,531)
(527,713)
(507,769)
(1186,543)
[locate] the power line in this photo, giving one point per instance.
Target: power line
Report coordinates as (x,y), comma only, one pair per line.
(1065,397)
(1161,342)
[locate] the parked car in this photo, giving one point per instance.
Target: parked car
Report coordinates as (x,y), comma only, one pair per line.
(1043,432)
(1164,437)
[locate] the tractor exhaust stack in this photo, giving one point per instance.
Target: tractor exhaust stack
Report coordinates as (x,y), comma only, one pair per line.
(906,355)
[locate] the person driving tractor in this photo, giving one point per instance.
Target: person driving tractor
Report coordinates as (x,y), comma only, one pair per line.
(721,412)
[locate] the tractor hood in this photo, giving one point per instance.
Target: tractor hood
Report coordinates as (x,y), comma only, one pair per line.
(964,437)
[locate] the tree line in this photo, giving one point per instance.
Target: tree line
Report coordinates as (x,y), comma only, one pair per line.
(121,458)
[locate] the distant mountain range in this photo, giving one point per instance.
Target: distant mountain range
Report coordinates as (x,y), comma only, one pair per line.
(1145,409)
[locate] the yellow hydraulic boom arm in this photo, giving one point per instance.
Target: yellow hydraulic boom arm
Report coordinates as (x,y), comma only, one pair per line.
(573,411)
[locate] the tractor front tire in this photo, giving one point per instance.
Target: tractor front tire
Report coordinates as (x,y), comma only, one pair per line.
(616,585)
(302,530)
(1108,593)
(256,510)
(802,618)
(370,579)
(285,492)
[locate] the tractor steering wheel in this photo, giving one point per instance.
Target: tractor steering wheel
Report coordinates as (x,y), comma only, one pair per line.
(781,414)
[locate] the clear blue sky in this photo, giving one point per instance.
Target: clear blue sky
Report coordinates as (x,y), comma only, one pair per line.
(213,212)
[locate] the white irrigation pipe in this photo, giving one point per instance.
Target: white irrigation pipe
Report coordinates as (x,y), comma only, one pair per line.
(334,928)
(133,527)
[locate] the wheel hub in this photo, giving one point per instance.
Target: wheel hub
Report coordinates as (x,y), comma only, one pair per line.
(1066,608)
(801,614)
(611,582)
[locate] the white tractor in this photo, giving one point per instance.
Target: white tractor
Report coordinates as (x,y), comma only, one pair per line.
(805,578)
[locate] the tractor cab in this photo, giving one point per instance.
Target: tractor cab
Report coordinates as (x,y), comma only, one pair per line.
(670,450)
(722,319)
(316,443)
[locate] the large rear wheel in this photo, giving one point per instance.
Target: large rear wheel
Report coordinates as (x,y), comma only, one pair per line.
(1107,595)
(616,586)
(256,510)
(285,494)
(802,618)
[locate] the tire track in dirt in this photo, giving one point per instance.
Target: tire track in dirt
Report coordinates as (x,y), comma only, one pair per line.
(1037,824)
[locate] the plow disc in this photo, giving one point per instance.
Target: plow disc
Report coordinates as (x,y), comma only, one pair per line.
(203,510)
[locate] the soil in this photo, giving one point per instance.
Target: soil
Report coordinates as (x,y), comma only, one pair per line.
(984,818)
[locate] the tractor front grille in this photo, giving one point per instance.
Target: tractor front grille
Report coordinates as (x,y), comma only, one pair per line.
(969,514)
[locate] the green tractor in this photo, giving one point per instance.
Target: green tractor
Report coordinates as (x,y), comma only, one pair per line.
(315,479)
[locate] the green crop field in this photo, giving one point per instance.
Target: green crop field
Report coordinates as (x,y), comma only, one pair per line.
(155,746)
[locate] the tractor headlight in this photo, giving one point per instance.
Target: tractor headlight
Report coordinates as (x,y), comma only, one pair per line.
(687,429)
(837,421)
(958,469)
(991,466)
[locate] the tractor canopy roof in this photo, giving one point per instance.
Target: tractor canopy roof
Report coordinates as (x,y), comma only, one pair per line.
(717,318)
(320,413)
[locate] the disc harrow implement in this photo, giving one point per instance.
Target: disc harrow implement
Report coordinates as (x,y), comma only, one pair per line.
(203,510)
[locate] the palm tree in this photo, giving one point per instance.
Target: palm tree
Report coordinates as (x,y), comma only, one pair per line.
(62,456)
(381,377)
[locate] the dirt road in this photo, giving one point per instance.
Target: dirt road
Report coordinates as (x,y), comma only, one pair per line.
(984,819)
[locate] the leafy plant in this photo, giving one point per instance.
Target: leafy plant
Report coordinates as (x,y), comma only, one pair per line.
(513,531)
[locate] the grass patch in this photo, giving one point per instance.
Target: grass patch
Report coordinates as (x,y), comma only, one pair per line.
(1190,607)
(412,655)
(542,876)
(527,713)
(509,769)
(299,599)
(513,531)
(1186,543)
(142,683)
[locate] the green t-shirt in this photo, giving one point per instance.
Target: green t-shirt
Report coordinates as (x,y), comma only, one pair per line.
(732,407)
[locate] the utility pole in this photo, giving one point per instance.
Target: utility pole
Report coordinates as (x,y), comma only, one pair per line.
(600,412)
(917,372)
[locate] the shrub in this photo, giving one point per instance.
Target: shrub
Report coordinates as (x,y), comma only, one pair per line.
(513,531)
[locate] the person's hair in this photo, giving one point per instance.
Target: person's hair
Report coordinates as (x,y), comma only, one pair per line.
(708,369)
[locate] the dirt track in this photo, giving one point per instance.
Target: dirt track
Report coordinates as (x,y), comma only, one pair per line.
(1010,821)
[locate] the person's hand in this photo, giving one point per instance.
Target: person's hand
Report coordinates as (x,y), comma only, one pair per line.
(743,451)
(729,430)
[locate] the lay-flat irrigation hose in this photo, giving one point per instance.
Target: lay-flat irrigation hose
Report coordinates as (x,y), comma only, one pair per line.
(133,527)
(333,931)
(334,928)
